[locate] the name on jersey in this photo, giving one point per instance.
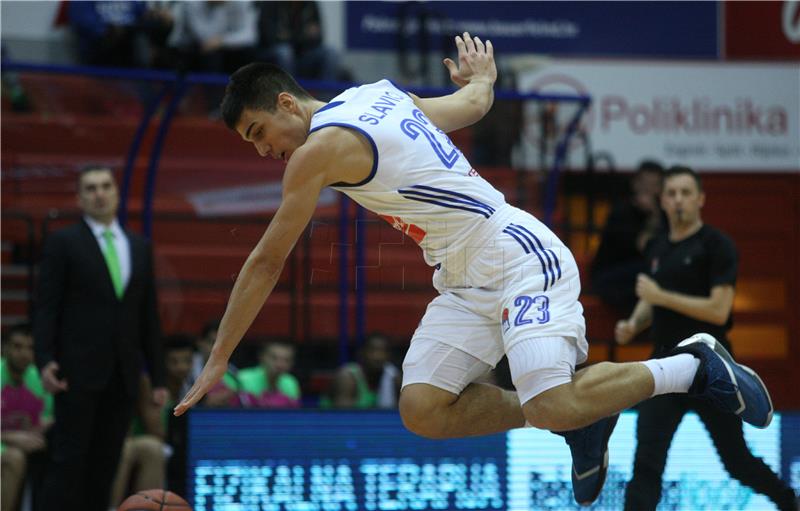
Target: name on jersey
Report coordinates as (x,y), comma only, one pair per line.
(381,108)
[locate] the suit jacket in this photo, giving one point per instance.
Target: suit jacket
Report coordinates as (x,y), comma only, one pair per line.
(80,323)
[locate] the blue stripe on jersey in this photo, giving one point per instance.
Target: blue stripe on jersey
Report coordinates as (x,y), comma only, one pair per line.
(514,232)
(453,194)
(333,104)
(548,253)
(548,250)
(445,198)
(448,205)
(521,243)
(371,142)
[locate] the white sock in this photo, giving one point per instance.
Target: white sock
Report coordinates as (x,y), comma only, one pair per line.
(672,374)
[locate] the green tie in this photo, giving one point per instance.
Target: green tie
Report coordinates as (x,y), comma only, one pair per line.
(112,260)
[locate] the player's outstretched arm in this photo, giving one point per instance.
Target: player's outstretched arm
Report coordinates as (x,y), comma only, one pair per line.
(302,184)
(475,74)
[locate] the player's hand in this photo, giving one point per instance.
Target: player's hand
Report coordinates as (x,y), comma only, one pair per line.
(475,61)
(624,331)
(212,373)
(50,381)
(648,289)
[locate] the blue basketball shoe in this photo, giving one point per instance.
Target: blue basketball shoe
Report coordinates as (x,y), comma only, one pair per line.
(730,386)
(589,448)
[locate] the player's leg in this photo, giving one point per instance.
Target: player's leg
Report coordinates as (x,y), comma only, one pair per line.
(438,399)
(595,392)
(726,433)
(12,475)
(699,366)
(656,424)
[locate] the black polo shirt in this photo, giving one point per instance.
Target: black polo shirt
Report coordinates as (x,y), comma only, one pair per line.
(691,266)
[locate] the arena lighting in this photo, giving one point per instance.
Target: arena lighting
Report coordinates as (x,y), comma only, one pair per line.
(256,460)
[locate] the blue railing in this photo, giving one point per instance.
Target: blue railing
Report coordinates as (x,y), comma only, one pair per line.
(178,84)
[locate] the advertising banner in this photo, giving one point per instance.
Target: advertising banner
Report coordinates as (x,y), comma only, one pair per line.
(290,460)
(640,29)
(710,116)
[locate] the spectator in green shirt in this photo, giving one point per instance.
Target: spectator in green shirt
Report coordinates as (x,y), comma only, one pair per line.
(269,385)
(27,412)
(372,382)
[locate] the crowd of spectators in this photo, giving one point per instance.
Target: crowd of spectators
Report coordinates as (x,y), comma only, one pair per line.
(153,454)
(204,36)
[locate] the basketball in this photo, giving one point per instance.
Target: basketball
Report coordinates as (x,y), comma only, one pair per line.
(154,500)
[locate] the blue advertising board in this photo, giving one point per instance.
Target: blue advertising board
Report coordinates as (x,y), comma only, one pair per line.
(608,29)
(276,460)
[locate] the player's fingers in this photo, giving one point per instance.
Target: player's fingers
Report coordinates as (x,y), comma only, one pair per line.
(469,43)
(187,401)
(450,65)
(182,407)
(460,46)
(479,45)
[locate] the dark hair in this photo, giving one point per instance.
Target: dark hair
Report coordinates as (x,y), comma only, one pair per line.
(177,342)
(256,86)
(678,170)
(375,336)
(649,166)
(19,328)
(93,168)
(281,343)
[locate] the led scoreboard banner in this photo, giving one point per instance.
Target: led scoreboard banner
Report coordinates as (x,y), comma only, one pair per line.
(304,460)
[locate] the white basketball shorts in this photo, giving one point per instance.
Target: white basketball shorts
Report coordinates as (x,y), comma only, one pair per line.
(521,288)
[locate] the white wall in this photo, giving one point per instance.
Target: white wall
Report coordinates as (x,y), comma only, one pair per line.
(333,23)
(28,34)
(28,20)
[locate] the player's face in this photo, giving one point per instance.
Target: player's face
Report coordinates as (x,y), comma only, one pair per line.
(178,364)
(275,134)
(278,359)
(19,351)
(682,199)
(98,196)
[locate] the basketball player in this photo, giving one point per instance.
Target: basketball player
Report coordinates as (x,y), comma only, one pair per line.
(507,284)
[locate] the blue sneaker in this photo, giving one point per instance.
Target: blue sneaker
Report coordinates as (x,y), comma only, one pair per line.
(589,448)
(730,386)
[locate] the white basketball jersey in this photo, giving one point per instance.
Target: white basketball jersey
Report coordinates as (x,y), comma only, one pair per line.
(420,182)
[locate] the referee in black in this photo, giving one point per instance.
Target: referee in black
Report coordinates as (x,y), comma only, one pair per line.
(690,289)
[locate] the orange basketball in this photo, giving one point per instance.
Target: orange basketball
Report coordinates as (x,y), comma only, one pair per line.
(154,500)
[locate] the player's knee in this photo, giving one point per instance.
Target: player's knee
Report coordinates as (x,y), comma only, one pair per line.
(550,411)
(423,409)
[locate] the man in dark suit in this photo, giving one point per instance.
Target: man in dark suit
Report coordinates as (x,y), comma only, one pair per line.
(96,319)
